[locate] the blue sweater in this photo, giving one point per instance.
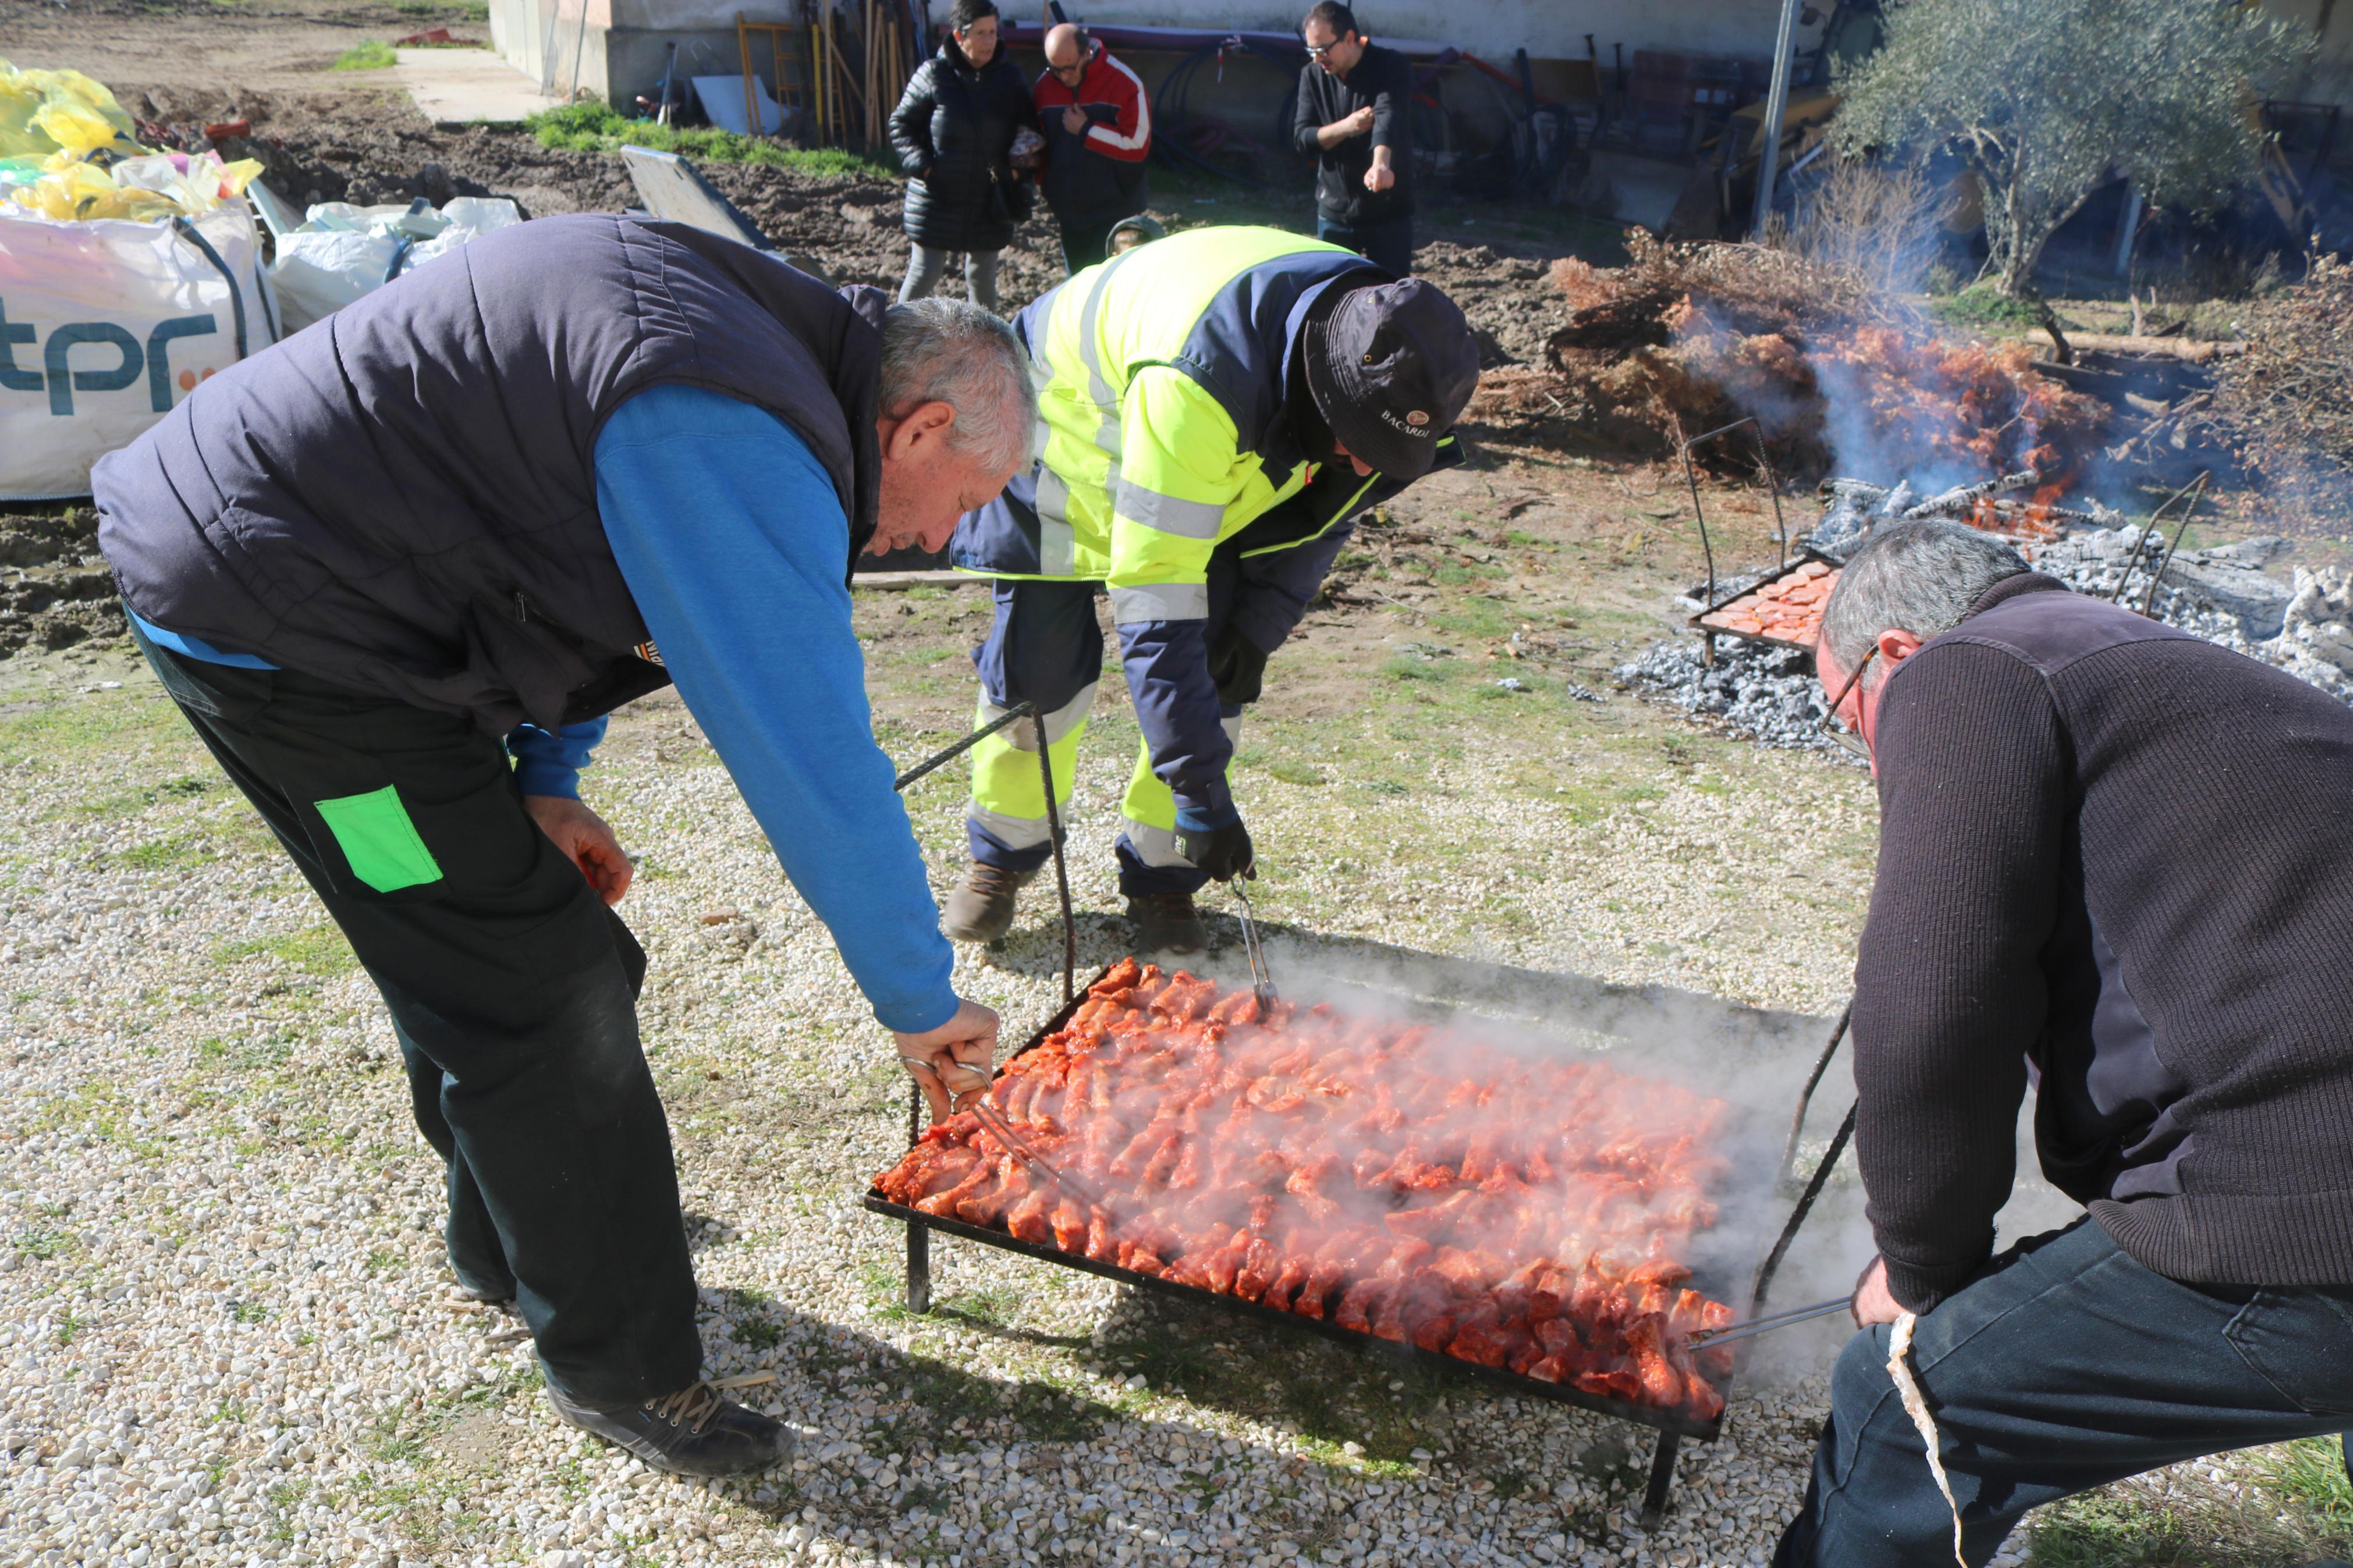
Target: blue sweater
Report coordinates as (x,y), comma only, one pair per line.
(732,540)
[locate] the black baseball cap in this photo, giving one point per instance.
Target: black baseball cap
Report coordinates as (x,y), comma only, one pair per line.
(1390,370)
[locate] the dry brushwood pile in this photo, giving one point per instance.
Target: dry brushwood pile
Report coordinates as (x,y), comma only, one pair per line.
(1683,339)
(1400,1180)
(2286,403)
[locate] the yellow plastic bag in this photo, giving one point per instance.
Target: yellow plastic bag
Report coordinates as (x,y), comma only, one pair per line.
(50,110)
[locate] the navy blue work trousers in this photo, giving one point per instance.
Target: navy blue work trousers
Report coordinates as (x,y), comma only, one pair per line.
(1387,244)
(2064,1366)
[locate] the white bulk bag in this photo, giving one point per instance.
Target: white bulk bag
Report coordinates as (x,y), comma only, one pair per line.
(105,325)
(343,252)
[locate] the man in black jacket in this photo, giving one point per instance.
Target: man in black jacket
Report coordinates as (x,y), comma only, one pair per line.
(1355,111)
(2116,860)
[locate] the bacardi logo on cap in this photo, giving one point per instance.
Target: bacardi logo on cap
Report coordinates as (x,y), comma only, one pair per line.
(1417,418)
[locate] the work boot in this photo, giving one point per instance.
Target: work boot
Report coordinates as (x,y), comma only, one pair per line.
(694,1432)
(1165,922)
(980,909)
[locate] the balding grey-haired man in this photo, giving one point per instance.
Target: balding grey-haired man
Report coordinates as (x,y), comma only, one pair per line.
(2116,861)
(398,568)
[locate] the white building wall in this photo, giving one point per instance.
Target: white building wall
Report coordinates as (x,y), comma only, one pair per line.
(1547,29)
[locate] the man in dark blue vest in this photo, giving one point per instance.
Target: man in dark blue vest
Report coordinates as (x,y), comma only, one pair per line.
(398,568)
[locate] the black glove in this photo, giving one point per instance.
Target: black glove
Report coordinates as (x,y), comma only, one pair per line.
(1224,853)
(1239,666)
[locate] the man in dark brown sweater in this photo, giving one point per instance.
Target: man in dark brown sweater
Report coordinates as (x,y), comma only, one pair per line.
(2116,861)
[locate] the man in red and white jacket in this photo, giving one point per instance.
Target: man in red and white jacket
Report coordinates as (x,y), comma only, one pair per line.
(1098,127)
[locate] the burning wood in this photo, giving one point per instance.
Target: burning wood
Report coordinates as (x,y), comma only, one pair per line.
(1689,338)
(1399,1182)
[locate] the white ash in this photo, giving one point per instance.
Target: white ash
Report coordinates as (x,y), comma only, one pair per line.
(2303,625)
(1768,694)
(1856,505)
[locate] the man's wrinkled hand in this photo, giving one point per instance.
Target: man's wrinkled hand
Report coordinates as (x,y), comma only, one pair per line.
(1074,119)
(1873,1302)
(951,1064)
(586,840)
(1380,177)
(1222,853)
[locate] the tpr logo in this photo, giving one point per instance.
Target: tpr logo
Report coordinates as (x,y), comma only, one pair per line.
(96,340)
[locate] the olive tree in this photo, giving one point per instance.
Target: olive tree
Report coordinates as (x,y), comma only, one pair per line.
(2049,100)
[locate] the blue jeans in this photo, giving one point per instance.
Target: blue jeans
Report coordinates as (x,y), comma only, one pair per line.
(2064,1366)
(1387,244)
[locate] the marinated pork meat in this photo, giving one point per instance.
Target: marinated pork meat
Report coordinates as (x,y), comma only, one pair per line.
(1400,1181)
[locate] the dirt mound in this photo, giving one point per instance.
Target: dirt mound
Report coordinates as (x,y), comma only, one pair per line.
(1685,339)
(55,588)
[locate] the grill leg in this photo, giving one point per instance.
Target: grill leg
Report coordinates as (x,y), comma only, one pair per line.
(919,1268)
(1663,1477)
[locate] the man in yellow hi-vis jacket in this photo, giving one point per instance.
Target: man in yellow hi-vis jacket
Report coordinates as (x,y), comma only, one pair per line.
(1219,405)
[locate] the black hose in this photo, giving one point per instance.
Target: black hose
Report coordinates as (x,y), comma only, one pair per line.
(1175,114)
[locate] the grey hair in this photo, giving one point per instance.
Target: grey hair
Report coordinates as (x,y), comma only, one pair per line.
(1920,577)
(954,351)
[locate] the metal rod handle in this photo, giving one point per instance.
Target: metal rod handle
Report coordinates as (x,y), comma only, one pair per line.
(1724,1336)
(1062,868)
(1805,1205)
(1806,1095)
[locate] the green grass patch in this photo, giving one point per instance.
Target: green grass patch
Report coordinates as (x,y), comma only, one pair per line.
(1410,667)
(1294,773)
(2302,1511)
(376,55)
(319,951)
(596,128)
(174,852)
(2309,1474)
(65,729)
(1983,305)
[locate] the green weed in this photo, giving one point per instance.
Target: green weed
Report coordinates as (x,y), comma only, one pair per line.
(595,127)
(2310,1474)
(759,1333)
(1984,305)
(1294,773)
(43,1245)
(375,55)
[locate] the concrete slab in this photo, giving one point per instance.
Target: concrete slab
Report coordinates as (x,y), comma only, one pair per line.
(454,87)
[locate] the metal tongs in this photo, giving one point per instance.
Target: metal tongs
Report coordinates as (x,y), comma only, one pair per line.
(1262,977)
(1708,1338)
(997,1127)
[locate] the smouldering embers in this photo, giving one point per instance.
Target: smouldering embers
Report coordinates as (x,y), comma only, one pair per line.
(1529,1214)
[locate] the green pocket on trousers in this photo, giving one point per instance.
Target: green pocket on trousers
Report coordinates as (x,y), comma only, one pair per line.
(379,841)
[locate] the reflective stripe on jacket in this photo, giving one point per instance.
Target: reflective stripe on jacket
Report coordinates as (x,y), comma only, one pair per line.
(1164,441)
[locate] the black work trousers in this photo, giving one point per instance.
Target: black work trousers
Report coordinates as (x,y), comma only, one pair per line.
(513,994)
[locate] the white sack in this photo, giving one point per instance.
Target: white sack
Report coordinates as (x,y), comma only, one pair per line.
(105,325)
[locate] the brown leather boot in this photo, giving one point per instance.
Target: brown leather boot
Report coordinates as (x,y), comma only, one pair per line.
(980,907)
(1165,922)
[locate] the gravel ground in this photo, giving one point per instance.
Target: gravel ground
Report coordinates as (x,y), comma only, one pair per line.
(230,1332)
(228,1326)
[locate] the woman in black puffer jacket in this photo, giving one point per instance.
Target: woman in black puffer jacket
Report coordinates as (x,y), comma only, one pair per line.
(954,129)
